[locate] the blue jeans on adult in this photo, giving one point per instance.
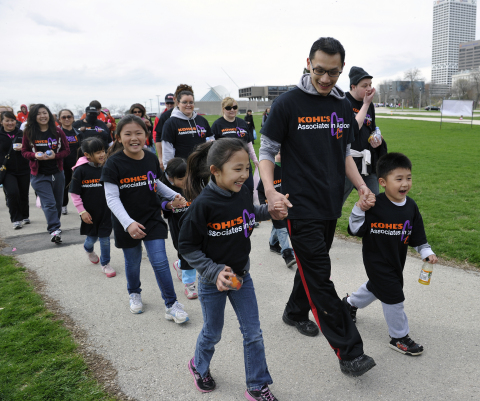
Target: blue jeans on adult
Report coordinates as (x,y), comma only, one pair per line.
(104,248)
(244,303)
(159,261)
(280,235)
(50,190)
(371,181)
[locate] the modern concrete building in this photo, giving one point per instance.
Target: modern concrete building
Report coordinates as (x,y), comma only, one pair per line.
(264,92)
(469,55)
(454,22)
(215,94)
(396,91)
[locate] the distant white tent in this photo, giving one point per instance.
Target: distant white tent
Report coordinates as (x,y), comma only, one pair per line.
(459,108)
(215,94)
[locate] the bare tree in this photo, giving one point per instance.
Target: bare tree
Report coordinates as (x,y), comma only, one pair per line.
(58,106)
(475,81)
(413,75)
(460,88)
(78,110)
(10,103)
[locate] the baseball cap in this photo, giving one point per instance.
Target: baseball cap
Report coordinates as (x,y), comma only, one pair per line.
(169,98)
(91,109)
(356,74)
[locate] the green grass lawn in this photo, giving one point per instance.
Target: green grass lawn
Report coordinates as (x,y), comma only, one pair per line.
(436,115)
(37,354)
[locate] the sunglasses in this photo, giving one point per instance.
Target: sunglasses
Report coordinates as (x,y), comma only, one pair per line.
(66,117)
(137,112)
(228,108)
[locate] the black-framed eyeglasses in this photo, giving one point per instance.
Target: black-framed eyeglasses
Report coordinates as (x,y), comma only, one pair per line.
(231,107)
(320,71)
(187,103)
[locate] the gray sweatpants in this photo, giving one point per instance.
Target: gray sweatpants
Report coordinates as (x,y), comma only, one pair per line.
(50,190)
(394,314)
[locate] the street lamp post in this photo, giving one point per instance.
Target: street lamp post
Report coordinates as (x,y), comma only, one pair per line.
(150,105)
(158,103)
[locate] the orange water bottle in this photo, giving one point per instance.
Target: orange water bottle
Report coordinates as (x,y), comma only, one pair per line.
(425,273)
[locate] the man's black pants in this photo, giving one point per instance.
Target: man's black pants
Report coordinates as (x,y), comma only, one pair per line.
(312,288)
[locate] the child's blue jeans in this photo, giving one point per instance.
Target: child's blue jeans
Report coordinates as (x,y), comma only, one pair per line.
(244,303)
(104,248)
(280,235)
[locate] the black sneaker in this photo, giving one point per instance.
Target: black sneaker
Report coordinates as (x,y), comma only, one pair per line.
(357,366)
(276,248)
(206,384)
(288,257)
(306,327)
(56,237)
(351,309)
(406,345)
(260,395)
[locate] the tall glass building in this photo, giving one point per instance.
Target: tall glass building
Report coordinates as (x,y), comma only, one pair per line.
(453,23)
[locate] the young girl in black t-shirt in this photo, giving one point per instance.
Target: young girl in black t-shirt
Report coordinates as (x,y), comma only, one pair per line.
(215,239)
(132,188)
(88,196)
(174,178)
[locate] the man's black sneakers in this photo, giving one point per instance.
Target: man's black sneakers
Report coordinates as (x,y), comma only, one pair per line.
(306,327)
(406,346)
(351,309)
(205,384)
(357,366)
(288,257)
(276,248)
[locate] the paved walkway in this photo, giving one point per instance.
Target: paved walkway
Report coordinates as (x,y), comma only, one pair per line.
(151,353)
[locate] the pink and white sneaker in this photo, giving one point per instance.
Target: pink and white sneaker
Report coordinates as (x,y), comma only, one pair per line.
(176,266)
(93,257)
(191,291)
(107,269)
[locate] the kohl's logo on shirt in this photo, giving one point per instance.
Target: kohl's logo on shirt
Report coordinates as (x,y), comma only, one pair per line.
(368,117)
(202,132)
(72,139)
(240,132)
(403,230)
(333,123)
(244,223)
(91,183)
(140,181)
(50,143)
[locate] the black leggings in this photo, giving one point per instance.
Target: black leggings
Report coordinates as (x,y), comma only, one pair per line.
(67,170)
(16,189)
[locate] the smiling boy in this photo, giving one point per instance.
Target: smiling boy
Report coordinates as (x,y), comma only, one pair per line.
(388,229)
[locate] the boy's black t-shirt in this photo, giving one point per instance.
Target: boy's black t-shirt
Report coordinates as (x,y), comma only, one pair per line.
(219,226)
(46,141)
(314,132)
(387,232)
(277,184)
(138,194)
(222,128)
(73,142)
(161,122)
(185,135)
(86,183)
(99,130)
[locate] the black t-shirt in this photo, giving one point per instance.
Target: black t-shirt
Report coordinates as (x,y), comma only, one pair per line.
(220,226)
(16,164)
(161,122)
(314,132)
(138,194)
(387,232)
(222,128)
(86,183)
(74,143)
(361,140)
(174,215)
(185,135)
(46,141)
(277,184)
(99,129)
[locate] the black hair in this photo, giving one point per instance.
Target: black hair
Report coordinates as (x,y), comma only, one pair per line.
(68,111)
(389,162)
(8,114)
(211,153)
(96,104)
(32,128)
(183,90)
(327,45)
(90,146)
(176,168)
(138,106)
(129,118)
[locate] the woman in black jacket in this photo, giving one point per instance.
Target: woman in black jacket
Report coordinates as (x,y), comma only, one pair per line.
(17,180)
(251,125)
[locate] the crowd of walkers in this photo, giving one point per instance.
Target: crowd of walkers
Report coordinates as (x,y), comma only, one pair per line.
(317,145)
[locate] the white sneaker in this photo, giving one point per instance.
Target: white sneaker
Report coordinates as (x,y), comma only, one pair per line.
(26,221)
(107,269)
(64,210)
(136,305)
(176,313)
(191,291)
(56,236)
(176,267)
(93,257)
(17,225)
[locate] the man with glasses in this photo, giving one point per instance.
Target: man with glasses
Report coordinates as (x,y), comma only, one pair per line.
(314,126)
(92,126)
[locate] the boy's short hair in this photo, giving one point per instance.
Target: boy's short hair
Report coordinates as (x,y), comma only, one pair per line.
(391,161)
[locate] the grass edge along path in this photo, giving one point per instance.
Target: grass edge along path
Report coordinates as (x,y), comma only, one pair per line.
(39,356)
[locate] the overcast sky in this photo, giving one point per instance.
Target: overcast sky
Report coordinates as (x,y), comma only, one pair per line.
(121,52)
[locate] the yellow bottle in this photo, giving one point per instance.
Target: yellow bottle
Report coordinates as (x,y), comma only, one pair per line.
(426,273)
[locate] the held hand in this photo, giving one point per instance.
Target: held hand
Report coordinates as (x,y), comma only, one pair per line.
(275,202)
(86,218)
(223,279)
(282,206)
(135,230)
(365,201)
(179,202)
(432,259)
(367,99)
(370,202)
